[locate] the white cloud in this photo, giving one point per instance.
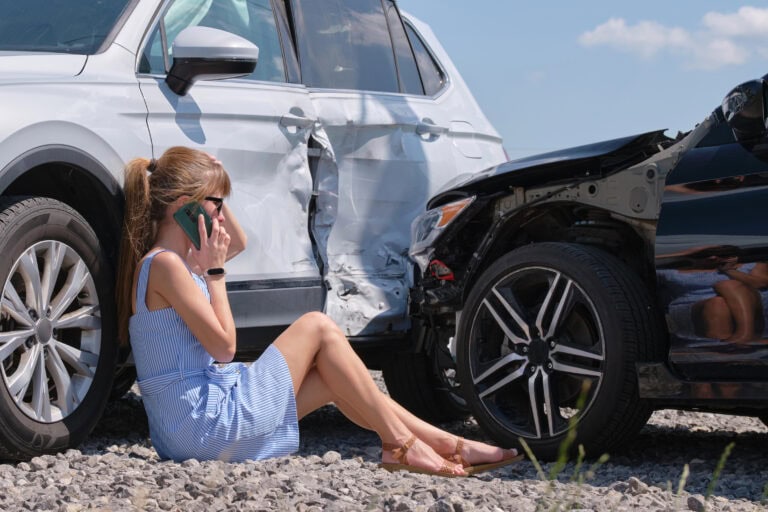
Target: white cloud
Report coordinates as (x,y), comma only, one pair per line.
(646,38)
(746,22)
(717,44)
(717,53)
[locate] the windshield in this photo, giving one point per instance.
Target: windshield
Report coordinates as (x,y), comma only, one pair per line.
(60,26)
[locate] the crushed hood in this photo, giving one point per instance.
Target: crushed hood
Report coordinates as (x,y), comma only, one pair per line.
(597,159)
(17,67)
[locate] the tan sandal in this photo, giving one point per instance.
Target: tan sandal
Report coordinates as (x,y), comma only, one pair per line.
(400,453)
(478,468)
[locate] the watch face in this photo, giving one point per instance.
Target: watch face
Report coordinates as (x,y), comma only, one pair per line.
(215,271)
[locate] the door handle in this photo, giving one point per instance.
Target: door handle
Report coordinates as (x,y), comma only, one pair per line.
(294,121)
(430,129)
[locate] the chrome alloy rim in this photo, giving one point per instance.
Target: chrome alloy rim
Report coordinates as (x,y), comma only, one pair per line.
(50,331)
(537,352)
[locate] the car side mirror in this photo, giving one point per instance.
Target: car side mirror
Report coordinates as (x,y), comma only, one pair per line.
(204,53)
(744,110)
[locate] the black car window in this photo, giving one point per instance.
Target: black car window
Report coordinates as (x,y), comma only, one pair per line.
(410,81)
(345,44)
(432,76)
(58,26)
(251,19)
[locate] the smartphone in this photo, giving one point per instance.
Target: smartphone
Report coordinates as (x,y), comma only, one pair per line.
(187,215)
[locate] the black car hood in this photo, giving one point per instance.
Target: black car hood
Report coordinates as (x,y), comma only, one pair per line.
(595,160)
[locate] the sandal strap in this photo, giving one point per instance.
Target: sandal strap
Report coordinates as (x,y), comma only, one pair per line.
(457,457)
(447,468)
(400,451)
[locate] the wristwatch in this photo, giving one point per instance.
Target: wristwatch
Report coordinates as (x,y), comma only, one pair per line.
(216,271)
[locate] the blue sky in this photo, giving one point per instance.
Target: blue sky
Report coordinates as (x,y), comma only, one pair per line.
(551,75)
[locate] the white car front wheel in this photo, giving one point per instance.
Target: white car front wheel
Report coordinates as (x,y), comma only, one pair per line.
(57,338)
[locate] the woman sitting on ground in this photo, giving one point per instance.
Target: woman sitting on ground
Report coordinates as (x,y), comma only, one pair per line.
(173,307)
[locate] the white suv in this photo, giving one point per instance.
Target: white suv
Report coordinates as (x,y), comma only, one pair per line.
(353,117)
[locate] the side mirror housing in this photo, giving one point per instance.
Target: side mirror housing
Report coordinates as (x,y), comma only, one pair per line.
(204,53)
(744,110)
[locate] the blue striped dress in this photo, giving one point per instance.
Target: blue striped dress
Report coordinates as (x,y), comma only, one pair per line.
(201,410)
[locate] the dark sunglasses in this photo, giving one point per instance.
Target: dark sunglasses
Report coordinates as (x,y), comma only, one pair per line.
(218,201)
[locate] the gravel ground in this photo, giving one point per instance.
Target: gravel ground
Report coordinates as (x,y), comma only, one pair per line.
(335,469)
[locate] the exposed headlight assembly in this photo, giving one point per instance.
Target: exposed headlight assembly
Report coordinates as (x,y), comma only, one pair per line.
(428,226)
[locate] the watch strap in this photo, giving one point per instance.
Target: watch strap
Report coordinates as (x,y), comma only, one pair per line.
(215,271)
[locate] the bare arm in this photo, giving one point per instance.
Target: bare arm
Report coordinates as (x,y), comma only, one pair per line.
(238,239)
(170,282)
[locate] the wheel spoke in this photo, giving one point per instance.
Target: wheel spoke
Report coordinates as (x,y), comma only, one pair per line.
(53,261)
(22,377)
(534,402)
(502,362)
(60,375)
(512,308)
(503,382)
(577,352)
(10,341)
(31,273)
(548,412)
(41,399)
(81,360)
(502,324)
(15,307)
(575,370)
(83,318)
(76,280)
(560,301)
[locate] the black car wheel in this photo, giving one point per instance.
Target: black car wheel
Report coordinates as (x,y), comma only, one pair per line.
(548,341)
(57,339)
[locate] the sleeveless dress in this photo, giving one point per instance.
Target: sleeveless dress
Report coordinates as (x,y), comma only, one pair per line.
(201,410)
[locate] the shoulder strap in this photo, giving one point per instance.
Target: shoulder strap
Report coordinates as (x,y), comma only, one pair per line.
(141,286)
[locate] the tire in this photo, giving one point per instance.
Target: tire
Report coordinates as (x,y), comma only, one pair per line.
(425,383)
(57,328)
(528,385)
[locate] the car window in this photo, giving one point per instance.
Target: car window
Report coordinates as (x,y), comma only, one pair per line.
(410,82)
(59,26)
(345,44)
(432,76)
(251,19)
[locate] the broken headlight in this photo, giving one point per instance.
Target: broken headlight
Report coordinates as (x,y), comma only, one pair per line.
(428,226)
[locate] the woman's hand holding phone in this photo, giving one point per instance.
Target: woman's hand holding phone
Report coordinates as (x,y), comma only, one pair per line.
(213,249)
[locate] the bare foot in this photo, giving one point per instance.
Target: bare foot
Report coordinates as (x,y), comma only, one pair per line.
(420,455)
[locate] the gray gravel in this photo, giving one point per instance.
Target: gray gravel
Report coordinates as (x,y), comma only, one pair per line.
(335,469)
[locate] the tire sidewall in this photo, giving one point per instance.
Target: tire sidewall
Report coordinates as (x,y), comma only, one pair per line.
(35,220)
(616,363)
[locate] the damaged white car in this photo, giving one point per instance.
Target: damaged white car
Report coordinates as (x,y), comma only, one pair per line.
(336,120)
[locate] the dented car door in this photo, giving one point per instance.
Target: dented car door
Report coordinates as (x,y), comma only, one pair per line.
(386,118)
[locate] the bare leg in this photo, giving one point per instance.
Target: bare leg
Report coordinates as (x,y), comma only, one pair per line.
(712,319)
(315,343)
(314,393)
(746,307)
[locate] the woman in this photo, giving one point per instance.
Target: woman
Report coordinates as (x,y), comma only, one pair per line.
(173,306)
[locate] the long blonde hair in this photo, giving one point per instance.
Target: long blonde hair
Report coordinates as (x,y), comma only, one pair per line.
(150,186)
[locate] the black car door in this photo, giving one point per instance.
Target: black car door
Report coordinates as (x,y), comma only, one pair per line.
(711,258)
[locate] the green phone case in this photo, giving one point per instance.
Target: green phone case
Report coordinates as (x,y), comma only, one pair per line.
(187,215)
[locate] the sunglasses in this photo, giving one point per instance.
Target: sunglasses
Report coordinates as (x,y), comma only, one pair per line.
(218,201)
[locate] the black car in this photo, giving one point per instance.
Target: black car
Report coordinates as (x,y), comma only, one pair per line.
(585,288)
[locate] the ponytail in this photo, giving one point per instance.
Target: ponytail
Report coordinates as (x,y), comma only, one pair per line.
(137,238)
